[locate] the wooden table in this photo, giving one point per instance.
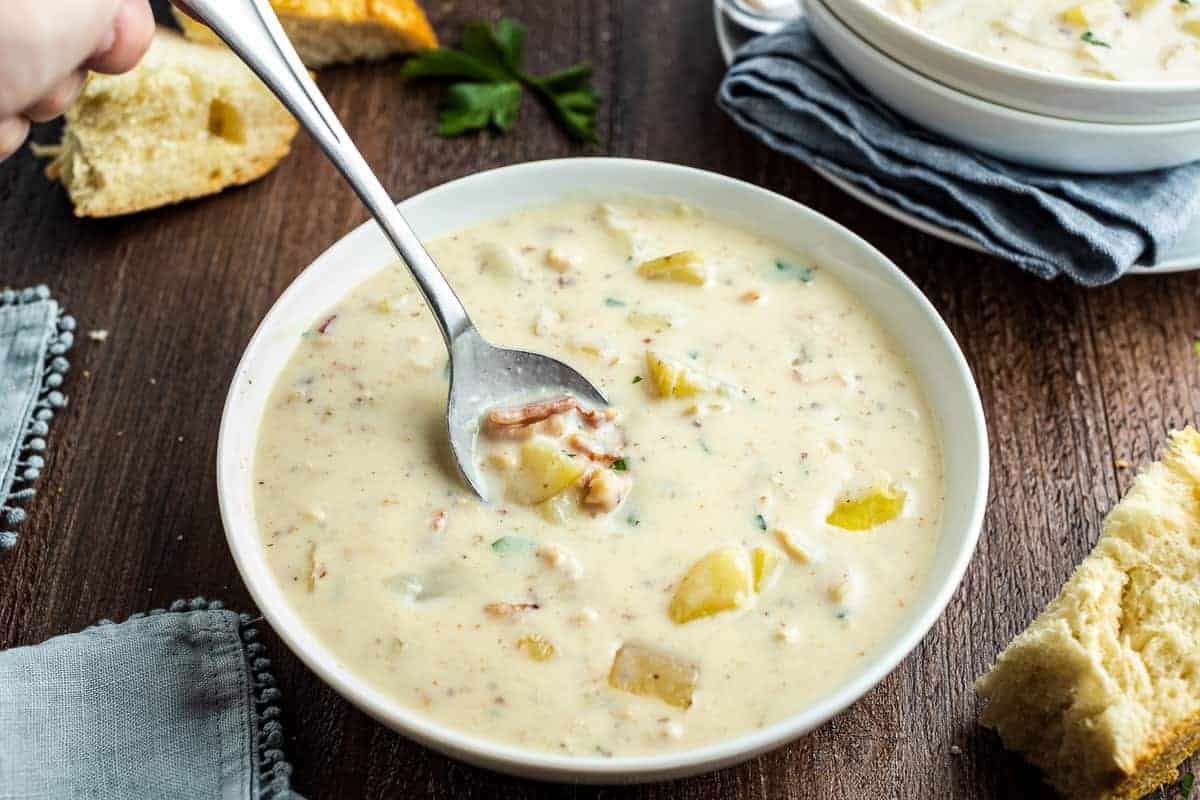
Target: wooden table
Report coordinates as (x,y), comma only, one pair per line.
(1075,384)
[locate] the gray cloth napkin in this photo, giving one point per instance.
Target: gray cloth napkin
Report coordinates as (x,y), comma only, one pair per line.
(34,335)
(790,94)
(177,703)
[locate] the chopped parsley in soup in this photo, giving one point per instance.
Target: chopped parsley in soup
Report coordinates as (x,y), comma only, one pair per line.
(724,544)
(1122,40)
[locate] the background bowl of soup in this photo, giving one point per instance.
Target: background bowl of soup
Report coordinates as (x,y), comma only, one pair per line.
(886,293)
(1023,137)
(1107,61)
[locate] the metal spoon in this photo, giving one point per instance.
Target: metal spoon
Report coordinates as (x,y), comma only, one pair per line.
(481,374)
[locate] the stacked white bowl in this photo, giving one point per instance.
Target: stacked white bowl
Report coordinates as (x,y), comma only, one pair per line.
(1036,118)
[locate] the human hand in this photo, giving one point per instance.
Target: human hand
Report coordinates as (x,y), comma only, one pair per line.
(46,48)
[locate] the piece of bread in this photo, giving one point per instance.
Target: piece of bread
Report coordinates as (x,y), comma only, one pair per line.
(190,120)
(328,32)
(1102,690)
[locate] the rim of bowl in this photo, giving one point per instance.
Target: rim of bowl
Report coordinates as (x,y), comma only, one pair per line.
(1072,126)
(242,538)
(1050,79)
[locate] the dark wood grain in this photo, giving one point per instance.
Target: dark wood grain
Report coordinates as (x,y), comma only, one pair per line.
(1074,384)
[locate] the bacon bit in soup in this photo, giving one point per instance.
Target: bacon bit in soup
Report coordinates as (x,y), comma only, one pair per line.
(509,609)
(597,416)
(323,328)
(591,450)
(530,413)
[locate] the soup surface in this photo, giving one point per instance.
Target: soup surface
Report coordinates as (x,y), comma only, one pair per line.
(1123,40)
(743,528)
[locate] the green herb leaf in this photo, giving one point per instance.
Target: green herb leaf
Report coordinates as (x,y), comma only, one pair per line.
(613,302)
(574,110)
(510,37)
(619,465)
(445,63)
(571,79)
(488,80)
(471,106)
(511,545)
(1186,785)
(800,273)
(760,521)
(1090,38)
(1196,345)
(633,520)
(638,378)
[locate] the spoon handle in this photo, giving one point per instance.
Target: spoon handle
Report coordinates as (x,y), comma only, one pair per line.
(253,32)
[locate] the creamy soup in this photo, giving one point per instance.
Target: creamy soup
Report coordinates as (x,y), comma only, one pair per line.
(731,539)
(1123,40)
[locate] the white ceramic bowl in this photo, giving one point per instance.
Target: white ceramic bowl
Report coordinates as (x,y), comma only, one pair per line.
(896,302)
(1085,99)
(1019,136)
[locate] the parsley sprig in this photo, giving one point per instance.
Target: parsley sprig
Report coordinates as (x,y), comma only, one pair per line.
(487,83)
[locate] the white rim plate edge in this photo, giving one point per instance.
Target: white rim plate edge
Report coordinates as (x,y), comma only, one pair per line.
(1183,257)
(361,250)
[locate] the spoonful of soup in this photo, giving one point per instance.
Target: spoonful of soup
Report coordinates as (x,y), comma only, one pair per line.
(482,375)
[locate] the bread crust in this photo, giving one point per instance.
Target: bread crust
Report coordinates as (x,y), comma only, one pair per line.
(402,23)
(248,172)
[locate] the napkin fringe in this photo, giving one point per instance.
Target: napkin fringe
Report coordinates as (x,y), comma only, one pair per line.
(274,771)
(29,459)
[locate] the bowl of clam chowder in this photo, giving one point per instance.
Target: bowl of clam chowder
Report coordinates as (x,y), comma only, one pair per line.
(774,509)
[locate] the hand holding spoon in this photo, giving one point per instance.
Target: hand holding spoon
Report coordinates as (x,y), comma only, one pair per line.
(481,374)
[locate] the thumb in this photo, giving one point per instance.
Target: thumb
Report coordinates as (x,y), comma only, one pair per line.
(125,42)
(44,41)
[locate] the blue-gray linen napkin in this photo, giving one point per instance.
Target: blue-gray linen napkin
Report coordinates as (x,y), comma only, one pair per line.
(789,93)
(34,335)
(177,703)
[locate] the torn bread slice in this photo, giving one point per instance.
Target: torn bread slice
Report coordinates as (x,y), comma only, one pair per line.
(1102,690)
(190,120)
(328,32)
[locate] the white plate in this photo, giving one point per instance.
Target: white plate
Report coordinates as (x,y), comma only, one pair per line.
(1183,257)
(896,303)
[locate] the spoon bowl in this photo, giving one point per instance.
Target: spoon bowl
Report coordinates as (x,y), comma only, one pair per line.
(481,374)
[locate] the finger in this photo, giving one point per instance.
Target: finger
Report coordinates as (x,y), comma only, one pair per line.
(13,131)
(58,99)
(123,48)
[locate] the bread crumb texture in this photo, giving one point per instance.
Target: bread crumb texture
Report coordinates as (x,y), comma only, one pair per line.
(328,32)
(1102,690)
(190,120)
